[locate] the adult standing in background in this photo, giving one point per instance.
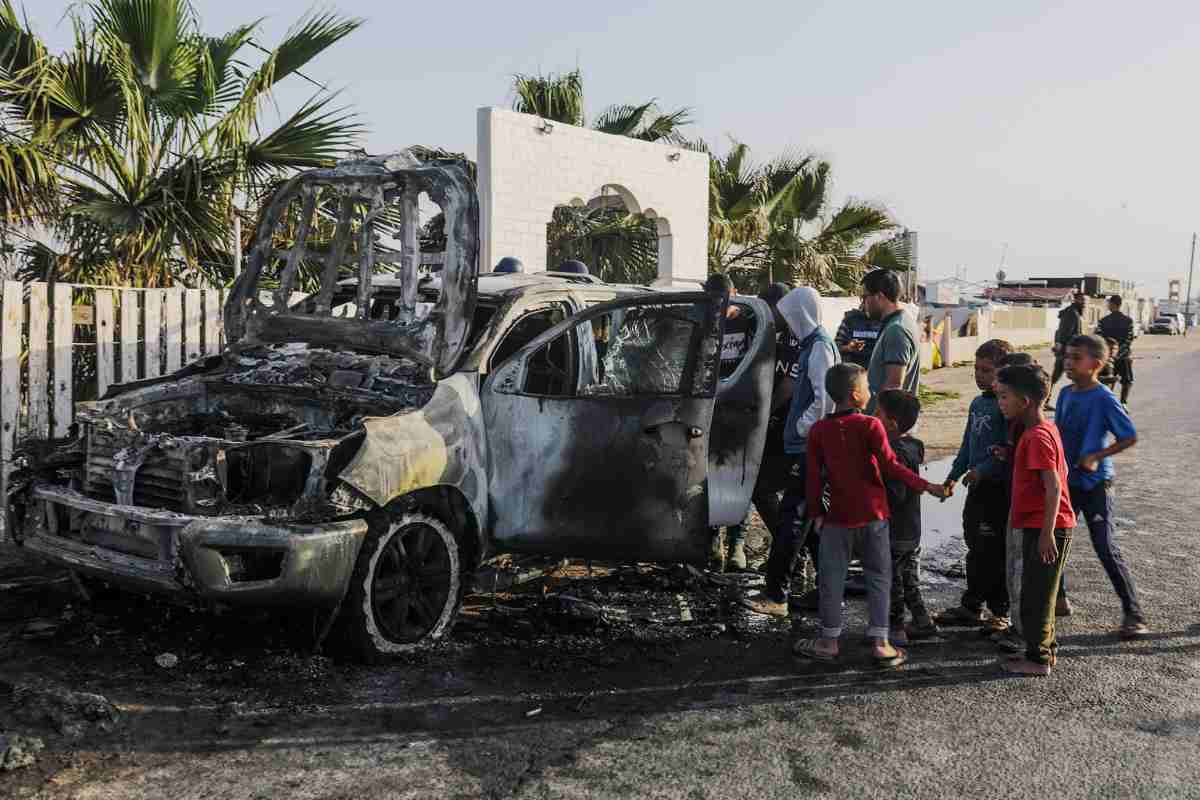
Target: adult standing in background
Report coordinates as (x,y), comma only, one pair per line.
(1119,327)
(1070,325)
(896,360)
(856,337)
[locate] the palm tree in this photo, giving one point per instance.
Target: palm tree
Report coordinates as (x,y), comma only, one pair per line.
(137,144)
(772,222)
(559,97)
(554,97)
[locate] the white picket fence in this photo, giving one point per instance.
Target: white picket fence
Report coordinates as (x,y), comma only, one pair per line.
(45,332)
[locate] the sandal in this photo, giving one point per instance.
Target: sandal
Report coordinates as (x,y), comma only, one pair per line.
(807,648)
(1053,662)
(891,662)
(1017,667)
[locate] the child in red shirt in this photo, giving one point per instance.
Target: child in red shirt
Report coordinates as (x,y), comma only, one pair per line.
(849,452)
(1041,510)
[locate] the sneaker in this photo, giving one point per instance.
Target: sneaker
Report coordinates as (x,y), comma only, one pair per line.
(898,635)
(716,553)
(1062,607)
(1010,642)
(923,628)
(737,557)
(1133,628)
(960,615)
(761,604)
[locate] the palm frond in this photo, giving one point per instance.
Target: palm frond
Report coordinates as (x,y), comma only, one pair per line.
(312,35)
(796,189)
(160,42)
(553,97)
(622,120)
(314,136)
(27,182)
(666,127)
(80,97)
(20,48)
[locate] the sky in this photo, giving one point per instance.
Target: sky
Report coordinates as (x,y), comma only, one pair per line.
(1057,137)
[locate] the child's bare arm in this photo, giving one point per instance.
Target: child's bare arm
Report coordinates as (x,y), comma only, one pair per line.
(1047,546)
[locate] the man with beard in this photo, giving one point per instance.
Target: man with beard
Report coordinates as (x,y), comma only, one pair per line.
(896,360)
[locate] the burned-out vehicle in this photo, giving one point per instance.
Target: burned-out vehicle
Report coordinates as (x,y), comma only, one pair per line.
(364,449)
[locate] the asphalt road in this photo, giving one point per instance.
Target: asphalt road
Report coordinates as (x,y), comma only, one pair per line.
(719,710)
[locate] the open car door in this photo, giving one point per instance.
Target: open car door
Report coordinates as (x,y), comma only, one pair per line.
(739,429)
(598,432)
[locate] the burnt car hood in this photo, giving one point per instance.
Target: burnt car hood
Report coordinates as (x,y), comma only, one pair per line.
(359,220)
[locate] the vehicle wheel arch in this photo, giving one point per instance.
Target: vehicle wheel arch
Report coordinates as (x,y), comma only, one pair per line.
(449,504)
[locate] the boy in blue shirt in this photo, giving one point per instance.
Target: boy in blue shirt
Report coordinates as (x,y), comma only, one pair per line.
(1088,414)
(985,513)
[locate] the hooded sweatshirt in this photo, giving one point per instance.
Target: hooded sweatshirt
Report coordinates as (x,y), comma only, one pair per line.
(801,310)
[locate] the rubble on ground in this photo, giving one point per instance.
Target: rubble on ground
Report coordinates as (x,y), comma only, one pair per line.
(17,751)
(72,714)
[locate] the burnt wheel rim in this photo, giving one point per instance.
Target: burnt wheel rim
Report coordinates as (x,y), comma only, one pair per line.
(411,583)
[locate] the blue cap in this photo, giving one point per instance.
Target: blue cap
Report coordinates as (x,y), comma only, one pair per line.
(509,265)
(574,267)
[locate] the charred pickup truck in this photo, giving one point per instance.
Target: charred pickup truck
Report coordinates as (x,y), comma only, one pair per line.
(363,450)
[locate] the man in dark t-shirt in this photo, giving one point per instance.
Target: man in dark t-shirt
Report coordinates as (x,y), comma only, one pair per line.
(856,337)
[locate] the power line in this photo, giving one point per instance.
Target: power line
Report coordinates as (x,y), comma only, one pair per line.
(315,83)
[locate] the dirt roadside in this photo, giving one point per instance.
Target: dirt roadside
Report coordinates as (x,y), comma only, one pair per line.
(948,392)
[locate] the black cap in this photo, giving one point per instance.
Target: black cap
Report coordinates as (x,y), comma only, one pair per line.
(510,265)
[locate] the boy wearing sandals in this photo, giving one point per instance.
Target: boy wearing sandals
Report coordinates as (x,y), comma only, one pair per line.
(1011,640)
(848,451)
(1041,511)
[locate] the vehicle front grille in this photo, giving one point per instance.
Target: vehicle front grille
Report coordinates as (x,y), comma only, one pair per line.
(159,482)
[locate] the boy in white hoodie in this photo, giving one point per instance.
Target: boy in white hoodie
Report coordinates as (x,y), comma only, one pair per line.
(801,310)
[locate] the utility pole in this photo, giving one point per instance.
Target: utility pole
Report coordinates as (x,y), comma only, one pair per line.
(1187,301)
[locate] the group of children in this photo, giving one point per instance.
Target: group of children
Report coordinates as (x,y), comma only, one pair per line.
(1026,479)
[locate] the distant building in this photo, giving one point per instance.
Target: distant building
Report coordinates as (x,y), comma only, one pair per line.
(1038,295)
(947,291)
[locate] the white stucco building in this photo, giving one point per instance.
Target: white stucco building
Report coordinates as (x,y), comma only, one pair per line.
(529,166)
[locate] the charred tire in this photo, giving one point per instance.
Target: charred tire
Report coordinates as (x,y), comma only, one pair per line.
(406,587)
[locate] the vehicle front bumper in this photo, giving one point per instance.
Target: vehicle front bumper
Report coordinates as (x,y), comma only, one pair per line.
(203,557)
